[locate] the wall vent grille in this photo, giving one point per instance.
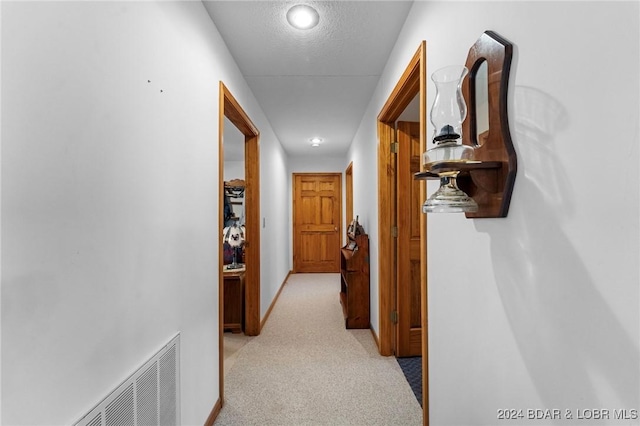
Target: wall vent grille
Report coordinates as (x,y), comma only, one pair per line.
(150,396)
(97,421)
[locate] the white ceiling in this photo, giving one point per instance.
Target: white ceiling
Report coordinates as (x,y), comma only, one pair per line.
(317,82)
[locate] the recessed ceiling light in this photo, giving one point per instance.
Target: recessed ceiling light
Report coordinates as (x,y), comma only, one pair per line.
(315,142)
(303,17)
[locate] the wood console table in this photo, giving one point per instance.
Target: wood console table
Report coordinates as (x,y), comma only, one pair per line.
(233,300)
(354,283)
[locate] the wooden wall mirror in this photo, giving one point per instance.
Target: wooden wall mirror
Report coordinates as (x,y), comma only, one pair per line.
(481,102)
(487,126)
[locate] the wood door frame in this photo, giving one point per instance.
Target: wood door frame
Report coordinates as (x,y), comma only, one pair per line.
(231,109)
(411,83)
(293,208)
(348,189)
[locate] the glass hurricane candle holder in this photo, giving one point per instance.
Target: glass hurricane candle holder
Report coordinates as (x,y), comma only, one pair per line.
(447,115)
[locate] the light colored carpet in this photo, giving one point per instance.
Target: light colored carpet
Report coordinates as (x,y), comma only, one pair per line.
(305,368)
(233,343)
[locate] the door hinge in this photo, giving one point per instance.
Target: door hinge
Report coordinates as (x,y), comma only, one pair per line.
(394,317)
(394,147)
(394,231)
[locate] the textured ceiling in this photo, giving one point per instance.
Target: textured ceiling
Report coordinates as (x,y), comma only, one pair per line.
(313,83)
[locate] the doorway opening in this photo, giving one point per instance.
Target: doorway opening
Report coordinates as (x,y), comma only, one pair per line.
(412,84)
(231,111)
(348,183)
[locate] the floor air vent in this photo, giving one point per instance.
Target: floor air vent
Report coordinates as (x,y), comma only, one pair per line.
(149,397)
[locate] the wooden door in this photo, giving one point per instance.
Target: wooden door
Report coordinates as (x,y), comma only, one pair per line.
(316,222)
(409,211)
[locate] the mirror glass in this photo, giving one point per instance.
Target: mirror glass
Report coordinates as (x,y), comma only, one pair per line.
(482,102)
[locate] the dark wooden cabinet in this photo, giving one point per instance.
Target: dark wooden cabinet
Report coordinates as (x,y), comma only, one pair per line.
(234,300)
(354,285)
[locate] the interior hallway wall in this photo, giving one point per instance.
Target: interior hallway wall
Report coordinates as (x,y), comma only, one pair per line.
(233,170)
(110,201)
(539,310)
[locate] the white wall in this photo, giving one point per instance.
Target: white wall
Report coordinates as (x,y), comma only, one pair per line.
(274,208)
(109,200)
(233,170)
(233,152)
(538,310)
(317,164)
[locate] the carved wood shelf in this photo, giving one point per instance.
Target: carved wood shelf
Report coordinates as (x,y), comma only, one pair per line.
(456,166)
(482,180)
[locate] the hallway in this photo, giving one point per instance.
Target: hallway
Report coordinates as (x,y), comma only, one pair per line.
(305,368)
(110,211)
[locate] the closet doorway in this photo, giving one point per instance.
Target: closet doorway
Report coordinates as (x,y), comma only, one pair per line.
(247,205)
(348,183)
(397,230)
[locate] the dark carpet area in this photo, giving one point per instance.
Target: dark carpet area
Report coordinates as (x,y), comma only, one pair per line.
(412,369)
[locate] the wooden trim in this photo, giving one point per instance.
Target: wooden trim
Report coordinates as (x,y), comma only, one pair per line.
(221,101)
(214,413)
(348,183)
(406,89)
(424,294)
(234,112)
(252,236)
(275,299)
(230,108)
(411,83)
